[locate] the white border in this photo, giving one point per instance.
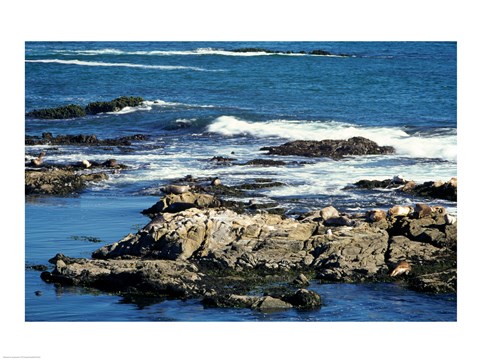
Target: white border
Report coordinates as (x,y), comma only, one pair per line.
(222,20)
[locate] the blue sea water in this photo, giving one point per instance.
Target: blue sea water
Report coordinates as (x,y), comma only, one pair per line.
(203,100)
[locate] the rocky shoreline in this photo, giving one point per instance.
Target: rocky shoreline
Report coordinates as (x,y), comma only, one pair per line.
(205,240)
(227,258)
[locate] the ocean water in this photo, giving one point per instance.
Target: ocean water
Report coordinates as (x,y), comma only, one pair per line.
(203,100)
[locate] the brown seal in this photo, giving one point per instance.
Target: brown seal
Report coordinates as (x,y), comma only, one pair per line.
(399,210)
(375,215)
(439,210)
(329,212)
(175,189)
(38,161)
(422,210)
(403,267)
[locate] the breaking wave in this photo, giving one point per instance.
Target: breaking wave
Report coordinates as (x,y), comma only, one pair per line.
(419,145)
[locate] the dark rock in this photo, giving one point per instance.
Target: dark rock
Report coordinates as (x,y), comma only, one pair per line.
(259,185)
(38,267)
(373,184)
(74,111)
(430,189)
(265,162)
(286,52)
(112,106)
(320,52)
(437,190)
(335,149)
(253,49)
(222,160)
(110,163)
(81,139)
(305,299)
(63,112)
(439,282)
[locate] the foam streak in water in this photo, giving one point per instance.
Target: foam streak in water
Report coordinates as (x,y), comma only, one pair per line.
(99,63)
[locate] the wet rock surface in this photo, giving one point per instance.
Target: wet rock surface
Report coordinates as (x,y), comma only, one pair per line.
(431,189)
(55,179)
(335,149)
(221,256)
(317,52)
(58,181)
(74,111)
(81,139)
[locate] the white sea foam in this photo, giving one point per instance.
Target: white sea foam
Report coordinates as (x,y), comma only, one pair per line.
(441,146)
(130,65)
(186,121)
(199,51)
(148,105)
(90,52)
(169,103)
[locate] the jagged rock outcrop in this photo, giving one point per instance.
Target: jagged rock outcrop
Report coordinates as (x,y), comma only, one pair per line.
(431,189)
(74,111)
(335,149)
(146,277)
(81,139)
(220,255)
(59,181)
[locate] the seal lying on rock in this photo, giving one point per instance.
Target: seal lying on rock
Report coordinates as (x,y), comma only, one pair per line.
(422,210)
(329,212)
(402,268)
(86,163)
(175,189)
(375,215)
(38,161)
(399,210)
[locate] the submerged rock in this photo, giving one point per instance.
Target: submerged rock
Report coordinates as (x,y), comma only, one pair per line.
(265,162)
(335,149)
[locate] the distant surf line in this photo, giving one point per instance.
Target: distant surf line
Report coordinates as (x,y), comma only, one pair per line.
(99,63)
(195,52)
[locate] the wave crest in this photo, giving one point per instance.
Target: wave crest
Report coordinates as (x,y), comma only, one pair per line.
(417,146)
